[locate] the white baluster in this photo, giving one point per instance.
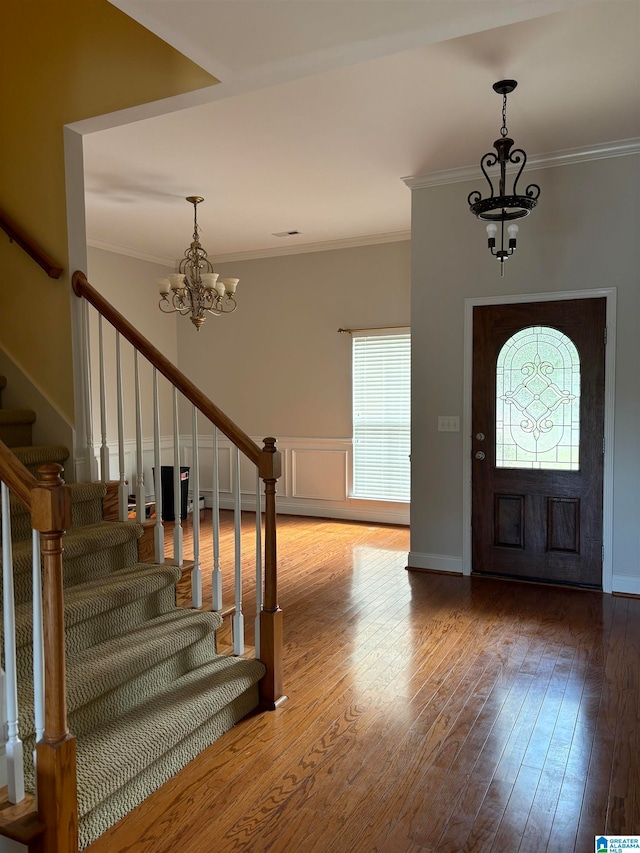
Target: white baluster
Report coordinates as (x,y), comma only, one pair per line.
(258,562)
(88,407)
(123,496)
(238,616)
(216,574)
(196,574)
(13,746)
(158,531)
(177,525)
(140,496)
(104,448)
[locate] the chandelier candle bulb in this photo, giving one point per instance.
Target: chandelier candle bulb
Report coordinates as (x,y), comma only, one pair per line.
(230,285)
(177,281)
(209,280)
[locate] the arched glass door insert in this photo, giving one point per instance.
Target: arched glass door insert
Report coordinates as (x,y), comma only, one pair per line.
(538,401)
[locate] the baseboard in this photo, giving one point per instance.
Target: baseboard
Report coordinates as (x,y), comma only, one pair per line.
(625,585)
(434,562)
(320,509)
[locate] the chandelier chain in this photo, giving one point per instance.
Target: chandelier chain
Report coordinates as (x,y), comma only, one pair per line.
(503,130)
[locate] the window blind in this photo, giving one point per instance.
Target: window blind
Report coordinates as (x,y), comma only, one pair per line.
(381,416)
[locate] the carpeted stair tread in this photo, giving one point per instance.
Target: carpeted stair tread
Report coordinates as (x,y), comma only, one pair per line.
(110,810)
(86,508)
(32,456)
(79,541)
(86,554)
(96,671)
(17,416)
(80,493)
(120,750)
(15,426)
(88,600)
(103,667)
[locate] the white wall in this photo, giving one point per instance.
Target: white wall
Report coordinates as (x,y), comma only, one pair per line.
(582,235)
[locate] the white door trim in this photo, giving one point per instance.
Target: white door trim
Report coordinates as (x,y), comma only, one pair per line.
(609,293)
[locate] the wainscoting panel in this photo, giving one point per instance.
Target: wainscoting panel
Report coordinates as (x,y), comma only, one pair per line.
(319,474)
(316,477)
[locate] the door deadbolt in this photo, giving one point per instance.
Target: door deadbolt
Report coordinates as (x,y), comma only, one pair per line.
(480,436)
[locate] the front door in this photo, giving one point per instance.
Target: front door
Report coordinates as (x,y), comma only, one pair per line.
(538,440)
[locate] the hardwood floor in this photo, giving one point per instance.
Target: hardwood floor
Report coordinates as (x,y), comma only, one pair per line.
(425,712)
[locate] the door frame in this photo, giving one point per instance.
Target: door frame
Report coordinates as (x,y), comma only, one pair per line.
(610,294)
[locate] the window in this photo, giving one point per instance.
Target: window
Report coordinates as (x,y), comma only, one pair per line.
(538,401)
(381,415)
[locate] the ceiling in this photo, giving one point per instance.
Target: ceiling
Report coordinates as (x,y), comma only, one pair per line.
(323,106)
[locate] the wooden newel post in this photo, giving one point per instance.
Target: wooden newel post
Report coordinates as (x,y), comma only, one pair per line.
(271,636)
(56,752)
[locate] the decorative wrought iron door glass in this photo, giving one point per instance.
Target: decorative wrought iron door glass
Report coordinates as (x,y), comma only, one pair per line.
(538,401)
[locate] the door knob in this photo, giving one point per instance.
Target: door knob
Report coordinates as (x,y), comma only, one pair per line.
(480,455)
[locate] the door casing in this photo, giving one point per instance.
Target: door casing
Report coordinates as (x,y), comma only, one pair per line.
(609,293)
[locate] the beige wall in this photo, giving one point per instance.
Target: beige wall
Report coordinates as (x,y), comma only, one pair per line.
(60,62)
(277,366)
(583,234)
(129,284)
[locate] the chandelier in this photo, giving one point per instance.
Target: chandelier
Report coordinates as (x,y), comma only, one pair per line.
(501,208)
(196,288)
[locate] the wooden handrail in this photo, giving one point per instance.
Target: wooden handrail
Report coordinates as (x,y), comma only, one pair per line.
(269,465)
(19,480)
(17,235)
(251,450)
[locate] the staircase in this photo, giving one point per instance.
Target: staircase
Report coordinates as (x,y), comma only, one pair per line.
(146,690)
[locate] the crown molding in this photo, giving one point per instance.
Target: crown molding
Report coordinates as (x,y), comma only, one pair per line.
(131,253)
(566,157)
(324,246)
(254,254)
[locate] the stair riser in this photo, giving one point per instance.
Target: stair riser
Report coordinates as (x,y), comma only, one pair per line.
(106,626)
(126,695)
(16,435)
(87,567)
(82,514)
(93,824)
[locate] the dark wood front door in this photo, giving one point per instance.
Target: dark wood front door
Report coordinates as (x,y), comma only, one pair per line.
(538,440)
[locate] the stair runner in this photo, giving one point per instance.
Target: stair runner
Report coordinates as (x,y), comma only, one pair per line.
(146,690)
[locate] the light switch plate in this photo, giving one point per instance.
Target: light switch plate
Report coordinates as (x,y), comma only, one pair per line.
(448,423)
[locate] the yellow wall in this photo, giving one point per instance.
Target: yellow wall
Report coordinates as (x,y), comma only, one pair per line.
(61,61)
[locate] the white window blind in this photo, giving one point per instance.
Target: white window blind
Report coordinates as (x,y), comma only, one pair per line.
(381,416)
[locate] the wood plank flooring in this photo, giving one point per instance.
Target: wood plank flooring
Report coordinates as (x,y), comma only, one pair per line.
(426,712)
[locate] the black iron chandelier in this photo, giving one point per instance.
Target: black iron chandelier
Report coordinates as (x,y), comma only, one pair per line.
(501,208)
